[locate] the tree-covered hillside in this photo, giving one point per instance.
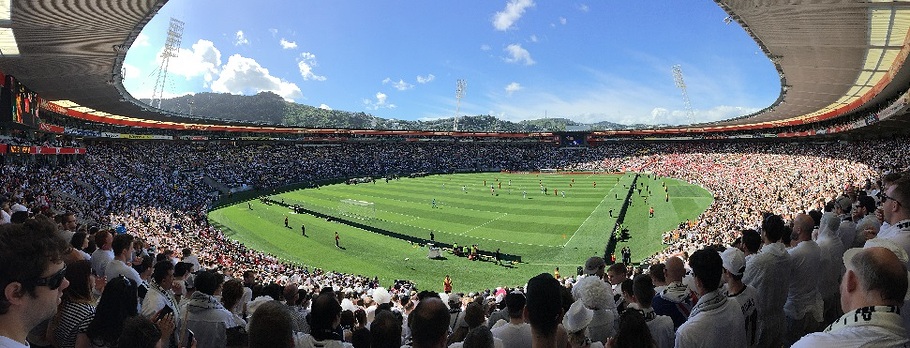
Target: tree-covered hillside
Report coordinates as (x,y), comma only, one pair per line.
(270,108)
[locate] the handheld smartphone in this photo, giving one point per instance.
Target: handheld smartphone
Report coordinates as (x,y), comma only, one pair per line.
(190,336)
(164,311)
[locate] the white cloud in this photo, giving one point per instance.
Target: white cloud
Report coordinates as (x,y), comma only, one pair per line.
(306,63)
(379,103)
(130,71)
(533,38)
(583,8)
(504,19)
(620,101)
(325,107)
(679,117)
(141,41)
(517,54)
(240,39)
(285,44)
(202,59)
(273,31)
(562,20)
(241,75)
(485,47)
(513,87)
(425,79)
(400,85)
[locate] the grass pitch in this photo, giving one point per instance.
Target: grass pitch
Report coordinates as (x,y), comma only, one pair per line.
(561,228)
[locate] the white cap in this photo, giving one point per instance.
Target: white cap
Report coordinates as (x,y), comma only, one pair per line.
(577,318)
(734,261)
(877,243)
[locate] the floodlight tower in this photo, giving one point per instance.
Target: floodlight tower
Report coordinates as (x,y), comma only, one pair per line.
(678,77)
(460,86)
(171,49)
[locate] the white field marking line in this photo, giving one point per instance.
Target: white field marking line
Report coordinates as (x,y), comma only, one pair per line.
(487,223)
(441,202)
(406,221)
(481,238)
(590,215)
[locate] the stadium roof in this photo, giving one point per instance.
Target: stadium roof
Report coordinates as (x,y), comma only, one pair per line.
(829,54)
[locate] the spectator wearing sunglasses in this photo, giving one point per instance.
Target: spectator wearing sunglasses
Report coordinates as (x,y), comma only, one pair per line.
(32,277)
(894,203)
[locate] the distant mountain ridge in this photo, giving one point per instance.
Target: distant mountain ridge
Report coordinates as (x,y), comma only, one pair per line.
(269,108)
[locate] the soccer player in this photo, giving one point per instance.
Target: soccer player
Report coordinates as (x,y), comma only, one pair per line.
(303,229)
(524,194)
(563,193)
(336,240)
(434,203)
(286,222)
(464,189)
(651,212)
(595,184)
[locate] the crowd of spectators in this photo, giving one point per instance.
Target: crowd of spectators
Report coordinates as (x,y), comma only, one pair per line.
(156,192)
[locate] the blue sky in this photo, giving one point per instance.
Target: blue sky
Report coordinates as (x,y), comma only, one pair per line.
(522,59)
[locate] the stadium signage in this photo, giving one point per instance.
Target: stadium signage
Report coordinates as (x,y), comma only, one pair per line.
(47,127)
(17,149)
(899,106)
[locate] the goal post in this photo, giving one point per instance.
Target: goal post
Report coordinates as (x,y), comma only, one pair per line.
(356,209)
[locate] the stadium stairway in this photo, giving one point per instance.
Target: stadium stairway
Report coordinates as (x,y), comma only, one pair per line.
(224,189)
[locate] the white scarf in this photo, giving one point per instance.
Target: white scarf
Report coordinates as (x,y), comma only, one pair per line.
(675,292)
(709,302)
(880,316)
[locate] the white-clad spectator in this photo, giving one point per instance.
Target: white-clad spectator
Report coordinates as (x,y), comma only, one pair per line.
(716,321)
(159,294)
(576,322)
(597,295)
(517,333)
(896,208)
(769,273)
(847,229)
(660,326)
(122,246)
(831,267)
(804,306)
(102,256)
(746,296)
(205,315)
(872,291)
(189,258)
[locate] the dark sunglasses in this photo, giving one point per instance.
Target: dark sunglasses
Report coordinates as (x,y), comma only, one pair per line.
(884,198)
(53,281)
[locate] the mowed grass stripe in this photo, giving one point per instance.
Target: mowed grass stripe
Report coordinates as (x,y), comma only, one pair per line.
(535,228)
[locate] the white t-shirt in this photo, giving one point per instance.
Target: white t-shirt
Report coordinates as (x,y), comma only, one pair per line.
(747,299)
(720,327)
(6,342)
(514,336)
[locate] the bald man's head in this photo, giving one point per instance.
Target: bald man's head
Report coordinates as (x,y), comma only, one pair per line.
(880,271)
(675,269)
(804,224)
